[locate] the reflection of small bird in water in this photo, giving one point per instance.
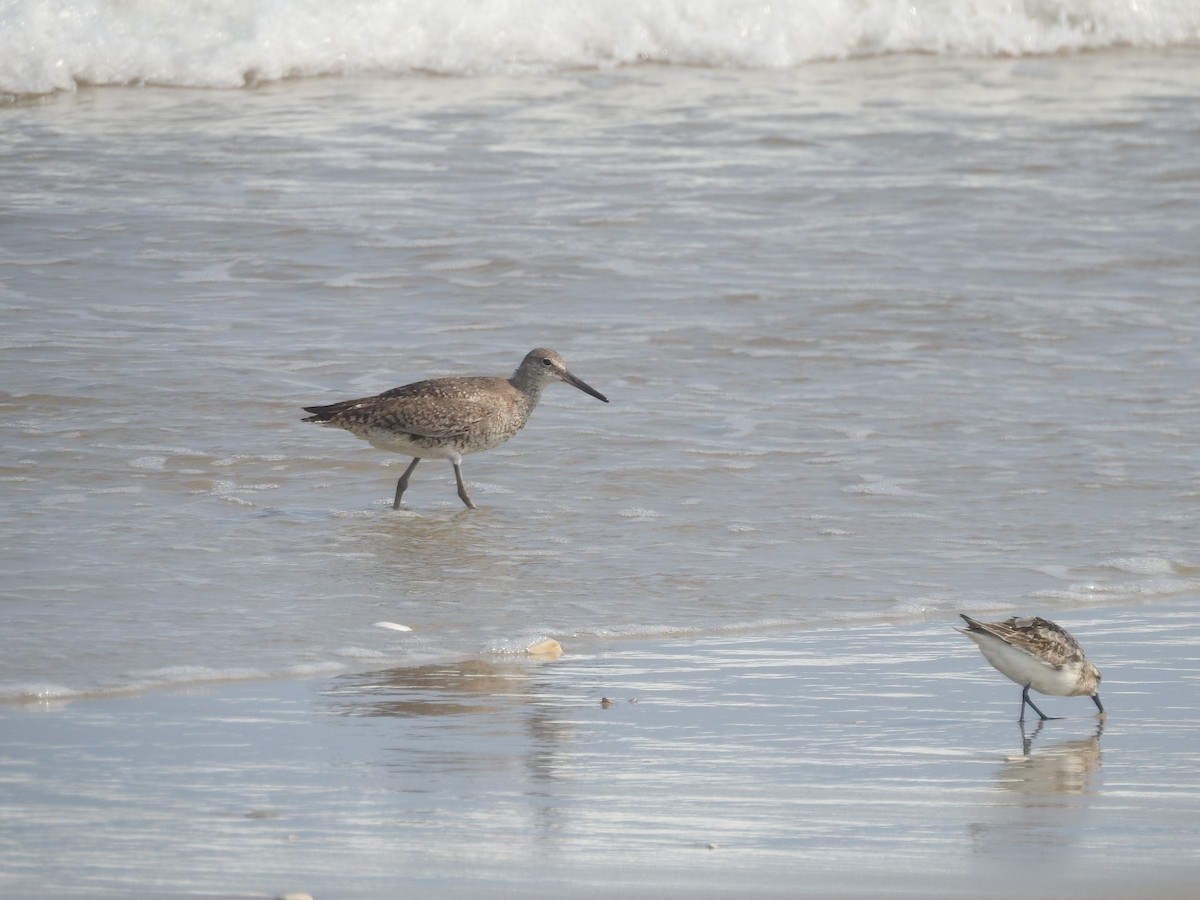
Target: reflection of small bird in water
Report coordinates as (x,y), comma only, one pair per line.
(1036,653)
(447,418)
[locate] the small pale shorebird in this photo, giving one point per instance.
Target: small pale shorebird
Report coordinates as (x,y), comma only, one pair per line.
(1036,653)
(447,418)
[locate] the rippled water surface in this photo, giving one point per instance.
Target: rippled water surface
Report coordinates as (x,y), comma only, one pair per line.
(885,340)
(881,339)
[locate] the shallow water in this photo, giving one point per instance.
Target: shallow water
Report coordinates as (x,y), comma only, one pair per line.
(861,760)
(884,339)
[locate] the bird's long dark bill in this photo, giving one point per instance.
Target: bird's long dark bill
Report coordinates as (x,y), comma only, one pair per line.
(583,386)
(1096,698)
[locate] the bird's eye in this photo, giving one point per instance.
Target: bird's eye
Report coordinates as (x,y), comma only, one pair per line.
(547,362)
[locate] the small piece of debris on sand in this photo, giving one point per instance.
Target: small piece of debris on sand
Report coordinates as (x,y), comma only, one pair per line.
(548,649)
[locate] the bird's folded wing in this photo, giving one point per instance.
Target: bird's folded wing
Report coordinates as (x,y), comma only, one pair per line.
(441,410)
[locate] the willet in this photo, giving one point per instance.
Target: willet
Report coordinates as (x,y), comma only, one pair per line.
(447,418)
(1036,653)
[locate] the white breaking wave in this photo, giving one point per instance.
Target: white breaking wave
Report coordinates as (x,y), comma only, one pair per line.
(54,45)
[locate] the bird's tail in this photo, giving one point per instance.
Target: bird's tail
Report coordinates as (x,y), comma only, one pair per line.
(323,413)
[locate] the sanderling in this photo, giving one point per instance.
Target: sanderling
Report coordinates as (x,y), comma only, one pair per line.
(1036,653)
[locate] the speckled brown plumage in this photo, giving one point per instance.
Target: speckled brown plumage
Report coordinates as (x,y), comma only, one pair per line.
(447,418)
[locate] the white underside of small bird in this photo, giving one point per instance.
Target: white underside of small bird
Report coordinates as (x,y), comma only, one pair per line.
(1026,669)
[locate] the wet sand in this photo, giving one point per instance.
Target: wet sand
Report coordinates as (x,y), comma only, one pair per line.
(866,761)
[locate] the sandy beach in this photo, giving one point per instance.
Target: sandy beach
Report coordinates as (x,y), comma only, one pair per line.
(896,308)
(864,761)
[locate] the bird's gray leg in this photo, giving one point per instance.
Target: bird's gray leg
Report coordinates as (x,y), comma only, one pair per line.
(402,484)
(462,488)
(1025,699)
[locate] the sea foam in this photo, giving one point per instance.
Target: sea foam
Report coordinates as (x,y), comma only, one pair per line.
(55,45)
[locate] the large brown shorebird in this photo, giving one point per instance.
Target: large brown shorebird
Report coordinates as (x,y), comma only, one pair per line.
(447,418)
(1036,653)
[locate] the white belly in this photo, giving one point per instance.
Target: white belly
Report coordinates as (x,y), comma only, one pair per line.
(1026,669)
